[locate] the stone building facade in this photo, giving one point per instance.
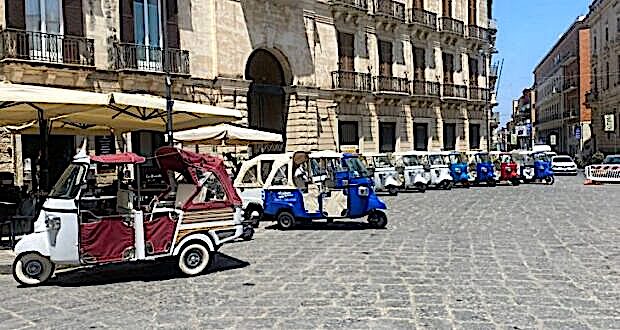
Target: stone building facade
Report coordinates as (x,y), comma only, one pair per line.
(604,22)
(562,80)
(367,75)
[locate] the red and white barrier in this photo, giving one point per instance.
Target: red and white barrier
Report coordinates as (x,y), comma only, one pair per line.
(603,173)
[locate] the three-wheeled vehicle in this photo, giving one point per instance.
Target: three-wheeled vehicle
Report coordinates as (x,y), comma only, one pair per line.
(292,196)
(440,170)
(537,168)
(508,168)
(83,223)
(481,168)
(458,168)
(383,172)
(414,169)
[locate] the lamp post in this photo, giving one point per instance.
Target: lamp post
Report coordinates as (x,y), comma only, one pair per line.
(487,101)
(168,79)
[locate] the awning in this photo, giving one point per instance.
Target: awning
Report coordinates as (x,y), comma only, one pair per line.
(228,134)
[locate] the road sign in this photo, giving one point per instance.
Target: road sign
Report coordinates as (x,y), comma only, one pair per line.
(578,133)
(552,140)
(610,123)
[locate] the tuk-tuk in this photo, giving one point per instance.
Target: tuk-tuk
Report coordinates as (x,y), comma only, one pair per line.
(481,168)
(508,169)
(440,170)
(415,173)
(538,168)
(458,167)
(83,222)
(291,194)
(383,172)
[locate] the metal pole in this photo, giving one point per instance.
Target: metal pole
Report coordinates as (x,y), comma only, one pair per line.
(168,79)
(487,103)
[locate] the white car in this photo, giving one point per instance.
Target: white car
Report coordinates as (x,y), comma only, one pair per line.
(563,165)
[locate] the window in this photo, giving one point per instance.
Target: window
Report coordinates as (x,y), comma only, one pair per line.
(385,58)
(473,71)
(607,75)
(449,136)
(346,57)
(447,8)
(147,27)
(251,176)
(606,32)
(281,176)
(490,9)
(211,188)
(418,4)
(419,63)
(348,133)
(448,68)
(387,137)
(420,132)
(45,17)
(474,136)
(472,12)
(265,169)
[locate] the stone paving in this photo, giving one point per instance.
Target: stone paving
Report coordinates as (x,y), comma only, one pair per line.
(524,257)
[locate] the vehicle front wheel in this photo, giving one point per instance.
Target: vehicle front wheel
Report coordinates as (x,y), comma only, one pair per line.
(195,258)
(549,180)
(392,190)
(515,182)
(248,233)
(447,185)
(421,187)
(32,269)
(286,220)
(377,220)
(492,183)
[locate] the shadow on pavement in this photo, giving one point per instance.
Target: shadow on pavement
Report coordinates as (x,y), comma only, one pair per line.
(323,225)
(159,270)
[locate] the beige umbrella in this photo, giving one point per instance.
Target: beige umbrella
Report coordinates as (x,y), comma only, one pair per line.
(227,134)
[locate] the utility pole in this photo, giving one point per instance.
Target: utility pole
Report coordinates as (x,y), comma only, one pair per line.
(166,65)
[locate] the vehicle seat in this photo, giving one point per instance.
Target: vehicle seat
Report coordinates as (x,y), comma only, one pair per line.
(184,192)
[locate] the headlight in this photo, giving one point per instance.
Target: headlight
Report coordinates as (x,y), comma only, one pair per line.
(484,169)
(363,191)
(508,169)
(457,170)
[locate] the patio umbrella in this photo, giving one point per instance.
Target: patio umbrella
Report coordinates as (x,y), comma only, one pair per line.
(227,134)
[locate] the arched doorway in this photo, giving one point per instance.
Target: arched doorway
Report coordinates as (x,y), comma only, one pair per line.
(266,96)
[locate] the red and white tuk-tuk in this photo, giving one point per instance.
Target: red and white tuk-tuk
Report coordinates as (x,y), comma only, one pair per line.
(83,222)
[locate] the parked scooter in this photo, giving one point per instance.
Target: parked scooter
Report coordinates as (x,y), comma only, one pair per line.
(458,168)
(481,168)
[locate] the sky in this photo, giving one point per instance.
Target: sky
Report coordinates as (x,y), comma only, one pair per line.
(527,30)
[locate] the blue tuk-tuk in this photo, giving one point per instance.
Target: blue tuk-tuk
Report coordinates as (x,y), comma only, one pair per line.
(295,191)
(481,168)
(540,164)
(458,167)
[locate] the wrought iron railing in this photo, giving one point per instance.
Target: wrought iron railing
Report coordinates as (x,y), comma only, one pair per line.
(476,32)
(425,88)
(478,93)
(147,58)
(358,4)
(46,47)
(391,84)
(447,24)
(423,17)
(390,8)
(494,70)
(457,91)
(571,83)
(350,80)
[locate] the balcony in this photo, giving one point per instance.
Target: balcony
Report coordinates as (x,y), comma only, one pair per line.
(390,10)
(391,84)
(494,70)
(478,94)
(569,85)
(147,58)
(592,97)
(454,91)
(451,25)
(46,47)
(359,5)
(423,18)
(492,26)
(351,81)
(478,33)
(425,88)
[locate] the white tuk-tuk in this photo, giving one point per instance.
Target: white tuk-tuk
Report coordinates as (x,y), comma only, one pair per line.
(413,168)
(439,162)
(85,223)
(383,172)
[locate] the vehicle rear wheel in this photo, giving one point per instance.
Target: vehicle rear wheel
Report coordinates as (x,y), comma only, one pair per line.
(447,185)
(194,259)
(377,220)
(247,215)
(248,233)
(549,180)
(492,183)
(286,220)
(515,182)
(421,187)
(32,269)
(393,190)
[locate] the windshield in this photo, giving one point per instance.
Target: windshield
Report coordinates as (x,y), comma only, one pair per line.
(382,161)
(435,159)
(455,158)
(541,157)
(412,160)
(612,160)
(355,166)
(69,183)
(562,159)
(483,158)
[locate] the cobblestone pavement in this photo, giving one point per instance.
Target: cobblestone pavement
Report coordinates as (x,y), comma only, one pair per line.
(522,257)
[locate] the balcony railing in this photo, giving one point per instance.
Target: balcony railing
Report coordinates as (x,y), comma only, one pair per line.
(569,84)
(476,32)
(478,93)
(423,17)
(147,58)
(391,9)
(46,47)
(354,81)
(391,84)
(425,88)
(494,70)
(457,91)
(447,24)
(356,4)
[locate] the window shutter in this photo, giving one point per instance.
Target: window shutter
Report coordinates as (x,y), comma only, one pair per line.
(458,65)
(172,22)
(127,27)
(74,17)
(432,61)
(15,14)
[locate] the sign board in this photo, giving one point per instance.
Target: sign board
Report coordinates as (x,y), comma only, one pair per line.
(104,145)
(522,130)
(349,149)
(610,122)
(513,139)
(553,140)
(577,133)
